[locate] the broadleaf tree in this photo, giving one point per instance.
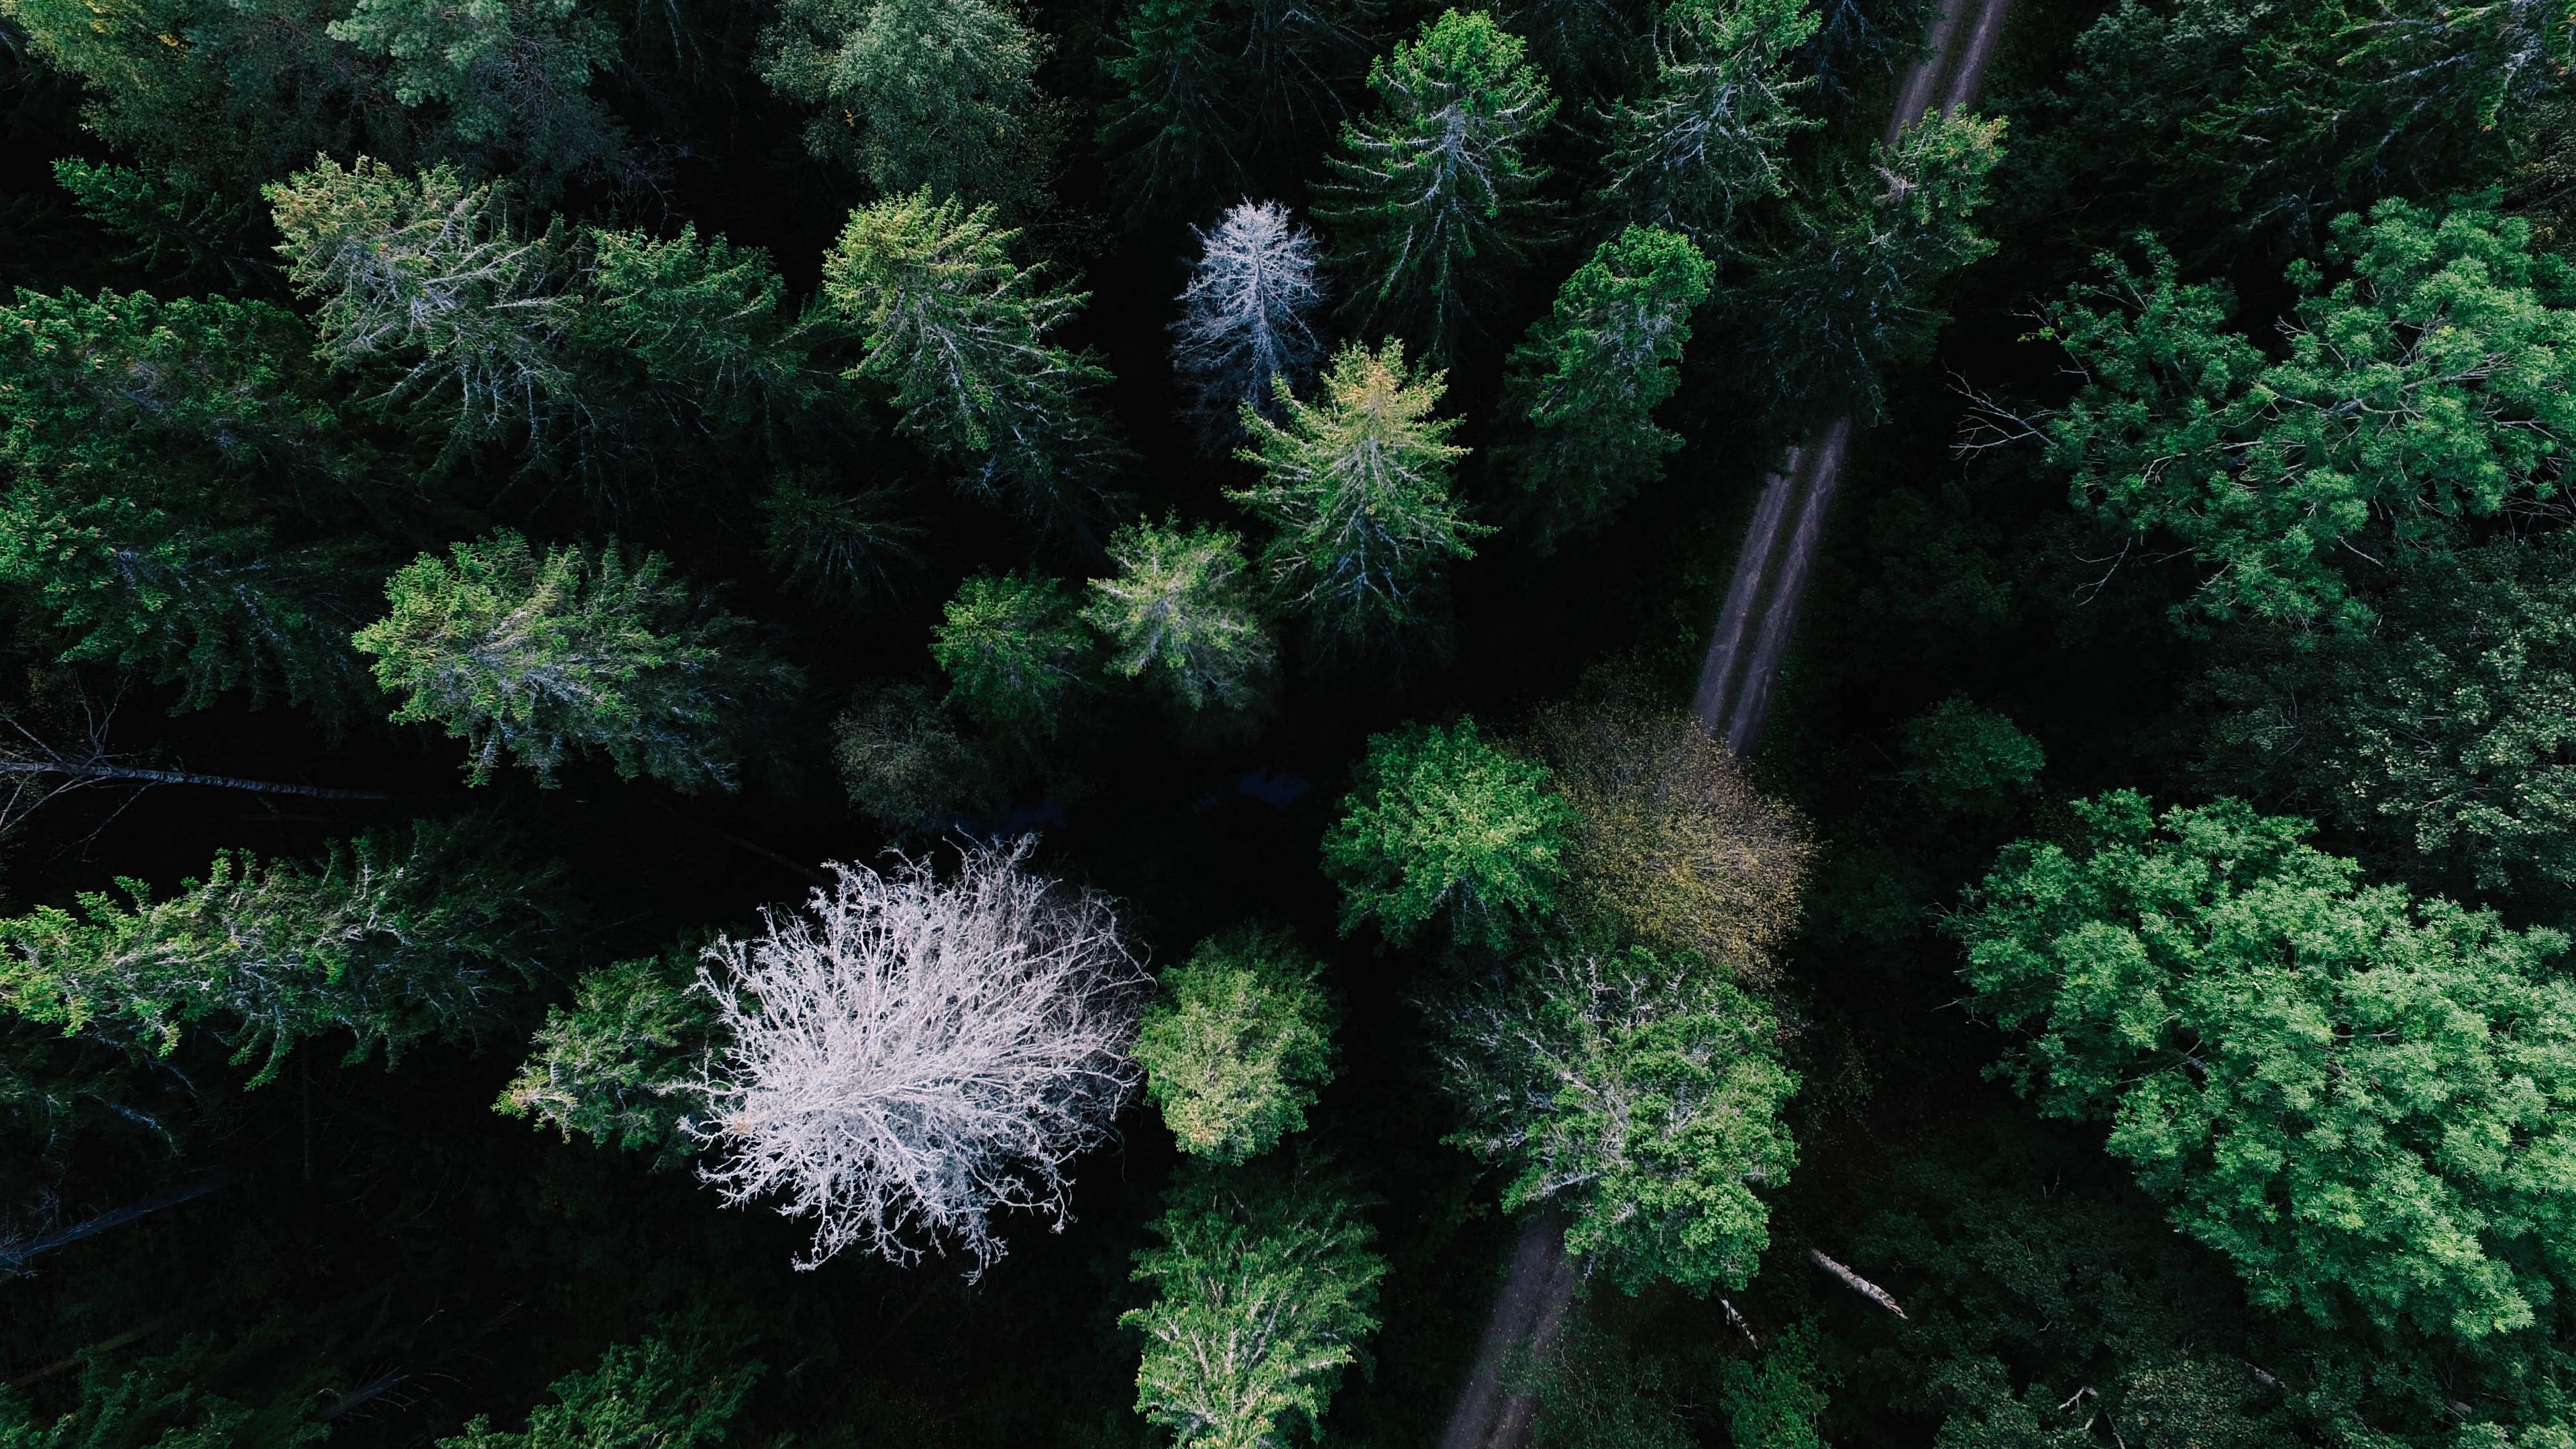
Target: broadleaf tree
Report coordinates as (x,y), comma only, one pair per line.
(1237,1043)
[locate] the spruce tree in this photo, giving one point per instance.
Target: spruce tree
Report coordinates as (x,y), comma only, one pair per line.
(539,659)
(508,78)
(1588,378)
(1432,198)
(1440,822)
(1243,327)
(1237,1043)
(1180,608)
(1172,140)
(960,334)
(1015,652)
(1708,140)
(1355,488)
(620,1064)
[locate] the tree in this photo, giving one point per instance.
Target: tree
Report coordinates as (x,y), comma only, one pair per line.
(906,763)
(702,329)
(1643,1094)
(1237,1044)
(1180,608)
(833,545)
(1440,821)
(622,1065)
(1708,141)
(1847,288)
(919,95)
(911,1055)
(1589,49)
(1243,329)
(1433,196)
(423,273)
(1173,141)
(581,650)
(2344,1089)
(507,77)
(1264,1289)
(959,333)
(1355,489)
(1014,651)
(1962,757)
(676,1389)
(1670,844)
(2433,385)
(188,1398)
(395,938)
(1588,378)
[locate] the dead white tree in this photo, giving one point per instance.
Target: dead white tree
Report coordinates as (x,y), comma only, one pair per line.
(1243,314)
(910,1054)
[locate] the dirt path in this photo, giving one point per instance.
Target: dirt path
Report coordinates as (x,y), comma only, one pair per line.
(1752,637)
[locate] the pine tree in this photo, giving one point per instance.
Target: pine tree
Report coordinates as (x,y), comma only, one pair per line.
(582,650)
(1237,1044)
(1180,607)
(1172,142)
(1243,328)
(1015,652)
(960,334)
(1433,192)
(1296,61)
(1589,377)
(1355,489)
(936,95)
(1264,1288)
(393,938)
(1707,141)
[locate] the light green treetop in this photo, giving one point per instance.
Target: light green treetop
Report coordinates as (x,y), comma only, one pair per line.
(1014,650)
(678,1388)
(2357,1096)
(1440,821)
(1181,608)
(1237,1044)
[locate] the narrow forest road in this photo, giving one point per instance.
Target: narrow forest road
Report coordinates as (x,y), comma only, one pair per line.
(1495,1409)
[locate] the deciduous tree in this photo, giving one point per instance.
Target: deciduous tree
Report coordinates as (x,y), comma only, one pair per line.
(1237,1043)
(1440,822)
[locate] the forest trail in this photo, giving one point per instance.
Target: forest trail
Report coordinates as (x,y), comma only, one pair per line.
(1744,654)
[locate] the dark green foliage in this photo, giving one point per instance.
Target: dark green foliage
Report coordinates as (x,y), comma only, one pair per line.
(622,1063)
(171,1401)
(1265,1288)
(2431,385)
(1774,1403)
(1433,200)
(394,938)
(1015,652)
(905,762)
(837,546)
(1175,136)
(187,236)
(1588,378)
(1641,1095)
(1964,758)
(678,1389)
(1709,139)
(1439,822)
(2333,1084)
(1237,1043)
(579,651)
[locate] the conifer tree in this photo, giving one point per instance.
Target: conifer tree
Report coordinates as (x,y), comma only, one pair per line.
(1355,488)
(508,78)
(678,1388)
(582,650)
(1706,142)
(1432,199)
(1296,63)
(1440,822)
(1243,328)
(1589,377)
(936,95)
(622,1064)
(1180,608)
(959,332)
(1172,141)
(1014,651)
(393,938)
(1237,1043)
(1264,1289)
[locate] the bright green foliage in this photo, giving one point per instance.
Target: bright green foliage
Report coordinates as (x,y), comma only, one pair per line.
(621,1064)
(1237,1044)
(2356,1096)
(1439,821)
(421,274)
(915,94)
(1642,1095)
(959,333)
(1180,608)
(507,75)
(1173,139)
(1708,140)
(1356,490)
(1433,203)
(1774,1403)
(677,1389)
(393,938)
(2434,384)
(1589,377)
(156,452)
(1265,1287)
(540,658)
(1014,651)
(1847,290)
(170,1401)
(2451,727)
(1963,757)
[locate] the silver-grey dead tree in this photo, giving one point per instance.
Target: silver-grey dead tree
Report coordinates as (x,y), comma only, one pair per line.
(1243,315)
